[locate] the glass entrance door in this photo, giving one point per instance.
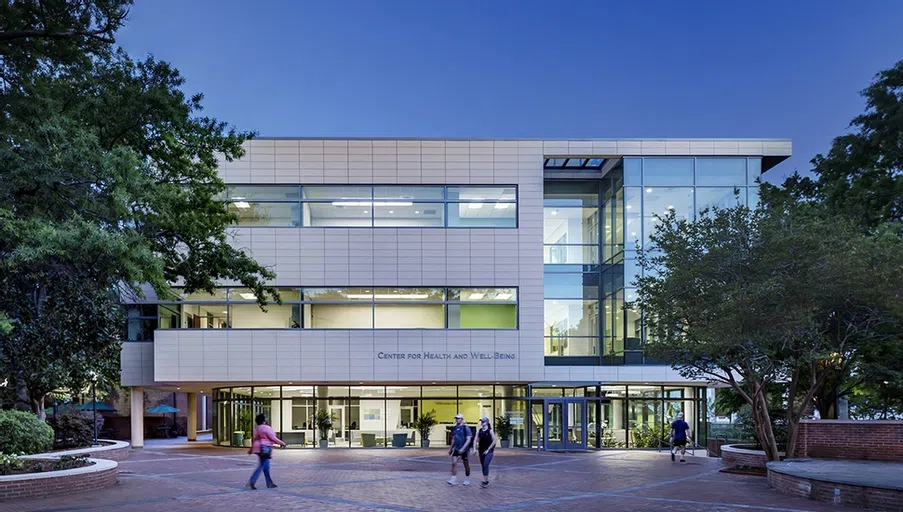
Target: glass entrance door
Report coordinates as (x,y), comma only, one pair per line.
(564,424)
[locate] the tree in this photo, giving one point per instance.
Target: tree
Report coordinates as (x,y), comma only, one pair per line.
(107,181)
(755,298)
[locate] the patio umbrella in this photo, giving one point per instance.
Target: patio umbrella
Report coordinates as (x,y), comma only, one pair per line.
(101,407)
(162,409)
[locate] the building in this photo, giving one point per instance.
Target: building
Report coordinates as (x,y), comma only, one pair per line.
(486,277)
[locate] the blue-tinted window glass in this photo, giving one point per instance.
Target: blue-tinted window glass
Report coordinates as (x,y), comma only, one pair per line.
(722,197)
(571,286)
(753,199)
(633,171)
(667,171)
(721,171)
(753,170)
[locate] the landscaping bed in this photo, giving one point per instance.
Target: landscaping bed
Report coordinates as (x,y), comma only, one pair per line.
(20,466)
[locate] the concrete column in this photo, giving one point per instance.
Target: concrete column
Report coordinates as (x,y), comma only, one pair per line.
(137,417)
(203,412)
(192,416)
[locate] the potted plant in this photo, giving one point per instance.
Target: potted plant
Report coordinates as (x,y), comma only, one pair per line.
(423,425)
(323,420)
(242,434)
(503,429)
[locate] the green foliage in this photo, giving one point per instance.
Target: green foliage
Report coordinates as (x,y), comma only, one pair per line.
(503,426)
(22,433)
(73,429)
(609,440)
(63,463)
(323,420)
(107,180)
(424,423)
(245,422)
(645,436)
(10,464)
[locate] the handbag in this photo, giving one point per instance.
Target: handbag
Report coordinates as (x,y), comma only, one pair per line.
(266,451)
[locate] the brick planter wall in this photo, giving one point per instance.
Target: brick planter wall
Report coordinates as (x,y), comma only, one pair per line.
(850,495)
(846,439)
(734,455)
(109,450)
(55,483)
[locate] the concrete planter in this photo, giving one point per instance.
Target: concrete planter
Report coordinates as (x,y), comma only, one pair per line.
(324,443)
(505,443)
(102,473)
(739,455)
(424,443)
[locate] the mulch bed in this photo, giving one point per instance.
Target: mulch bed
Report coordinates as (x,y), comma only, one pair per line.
(739,470)
(46,465)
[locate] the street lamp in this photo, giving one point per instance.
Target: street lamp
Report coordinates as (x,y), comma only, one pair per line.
(93,376)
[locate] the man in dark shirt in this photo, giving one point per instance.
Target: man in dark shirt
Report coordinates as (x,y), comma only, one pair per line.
(679,435)
(462,437)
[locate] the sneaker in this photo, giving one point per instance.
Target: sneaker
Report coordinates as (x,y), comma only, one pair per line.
(672,456)
(452,481)
(682,460)
(272,486)
(466,481)
(252,486)
(484,485)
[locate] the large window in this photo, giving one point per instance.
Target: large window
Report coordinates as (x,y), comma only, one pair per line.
(374,206)
(331,308)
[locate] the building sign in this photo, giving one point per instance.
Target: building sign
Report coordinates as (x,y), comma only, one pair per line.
(420,356)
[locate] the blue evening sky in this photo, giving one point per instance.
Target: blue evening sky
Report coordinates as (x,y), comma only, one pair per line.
(525,68)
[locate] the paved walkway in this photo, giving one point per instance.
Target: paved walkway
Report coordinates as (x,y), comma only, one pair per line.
(197,477)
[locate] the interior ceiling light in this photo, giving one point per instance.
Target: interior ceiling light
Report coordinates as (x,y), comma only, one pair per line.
(503,296)
(502,206)
(372,203)
(476,296)
(246,296)
(474,206)
(416,296)
(242,204)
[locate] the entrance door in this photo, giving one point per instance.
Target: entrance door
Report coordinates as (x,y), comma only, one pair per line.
(564,424)
(338,424)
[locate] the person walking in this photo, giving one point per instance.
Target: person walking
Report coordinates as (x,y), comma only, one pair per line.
(679,435)
(262,444)
(486,442)
(462,441)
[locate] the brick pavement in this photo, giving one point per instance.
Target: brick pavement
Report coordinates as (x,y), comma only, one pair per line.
(200,477)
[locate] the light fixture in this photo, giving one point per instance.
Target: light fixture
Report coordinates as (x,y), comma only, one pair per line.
(503,296)
(242,204)
(391,211)
(554,212)
(476,296)
(416,296)
(474,206)
(366,211)
(360,382)
(372,203)
(633,234)
(291,382)
(178,388)
(502,206)
(629,206)
(224,311)
(417,212)
(247,296)
(648,190)
(670,206)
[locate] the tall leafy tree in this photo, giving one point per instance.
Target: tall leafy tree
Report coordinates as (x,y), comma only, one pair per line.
(755,298)
(107,181)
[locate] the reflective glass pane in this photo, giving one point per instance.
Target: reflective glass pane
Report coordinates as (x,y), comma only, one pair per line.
(479,214)
(409,215)
(633,168)
(571,193)
(412,193)
(337,193)
(575,226)
(266,214)
(250,316)
(338,316)
(409,294)
(482,316)
(571,286)
(204,316)
(661,201)
(667,171)
(571,346)
(753,199)
(409,316)
(219,295)
(719,197)
(262,192)
(169,316)
(140,329)
(632,271)
(571,318)
(753,170)
(245,294)
(338,294)
(482,294)
(570,254)
(477,193)
(721,171)
(338,214)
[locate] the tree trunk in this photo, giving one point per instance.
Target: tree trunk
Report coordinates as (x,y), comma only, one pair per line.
(22,403)
(769,443)
(37,407)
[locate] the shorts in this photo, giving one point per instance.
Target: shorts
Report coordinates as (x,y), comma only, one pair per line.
(679,442)
(459,453)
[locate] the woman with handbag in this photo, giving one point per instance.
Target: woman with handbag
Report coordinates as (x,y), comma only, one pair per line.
(262,445)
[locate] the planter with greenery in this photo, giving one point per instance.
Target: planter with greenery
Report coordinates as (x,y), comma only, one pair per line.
(323,420)
(424,424)
(243,428)
(504,429)
(22,433)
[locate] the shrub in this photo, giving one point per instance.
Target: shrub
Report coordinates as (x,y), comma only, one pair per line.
(9,464)
(22,433)
(73,429)
(63,463)
(645,436)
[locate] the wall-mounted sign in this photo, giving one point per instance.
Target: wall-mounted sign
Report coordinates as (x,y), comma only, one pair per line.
(420,356)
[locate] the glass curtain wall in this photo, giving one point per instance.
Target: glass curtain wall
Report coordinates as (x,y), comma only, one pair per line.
(655,187)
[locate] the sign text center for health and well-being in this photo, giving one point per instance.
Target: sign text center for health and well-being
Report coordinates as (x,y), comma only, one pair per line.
(407,356)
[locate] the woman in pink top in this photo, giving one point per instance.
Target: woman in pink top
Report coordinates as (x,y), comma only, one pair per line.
(262,445)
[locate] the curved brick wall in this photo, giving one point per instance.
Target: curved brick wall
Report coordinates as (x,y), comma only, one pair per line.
(847,439)
(851,495)
(110,450)
(53,483)
(733,455)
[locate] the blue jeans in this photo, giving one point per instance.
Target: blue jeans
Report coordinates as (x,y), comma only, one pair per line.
(484,461)
(265,467)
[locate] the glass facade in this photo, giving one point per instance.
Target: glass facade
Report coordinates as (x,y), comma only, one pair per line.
(422,206)
(593,230)
(330,308)
(367,416)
